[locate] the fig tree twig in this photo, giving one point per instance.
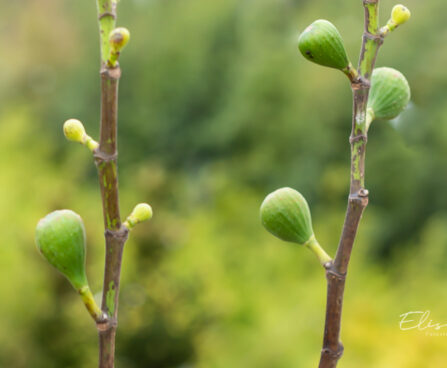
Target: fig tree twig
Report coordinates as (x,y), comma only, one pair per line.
(106,161)
(358,195)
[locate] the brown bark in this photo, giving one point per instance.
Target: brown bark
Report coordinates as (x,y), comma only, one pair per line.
(115,234)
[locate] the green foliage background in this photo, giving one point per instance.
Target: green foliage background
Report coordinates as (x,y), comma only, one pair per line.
(218,109)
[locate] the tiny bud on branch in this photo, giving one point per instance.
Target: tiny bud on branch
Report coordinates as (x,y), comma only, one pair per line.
(399,15)
(141,212)
(118,39)
(74,131)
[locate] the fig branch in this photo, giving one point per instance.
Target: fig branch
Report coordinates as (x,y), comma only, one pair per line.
(381,93)
(358,196)
(60,236)
(106,162)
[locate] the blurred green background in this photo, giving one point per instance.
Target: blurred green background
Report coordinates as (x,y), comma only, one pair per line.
(217,109)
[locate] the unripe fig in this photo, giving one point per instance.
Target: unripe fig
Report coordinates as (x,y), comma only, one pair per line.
(321,43)
(285,214)
(389,94)
(60,238)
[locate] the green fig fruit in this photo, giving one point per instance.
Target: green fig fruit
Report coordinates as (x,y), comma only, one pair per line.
(321,43)
(389,94)
(285,214)
(60,238)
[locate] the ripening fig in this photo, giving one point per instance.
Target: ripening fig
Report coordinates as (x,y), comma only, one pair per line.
(389,94)
(60,238)
(285,213)
(321,43)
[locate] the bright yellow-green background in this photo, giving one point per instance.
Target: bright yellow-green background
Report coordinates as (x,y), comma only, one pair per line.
(218,109)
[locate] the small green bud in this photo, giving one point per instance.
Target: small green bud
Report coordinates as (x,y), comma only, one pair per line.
(322,44)
(285,214)
(389,94)
(74,131)
(60,238)
(400,14)
(118,39)
(141,212)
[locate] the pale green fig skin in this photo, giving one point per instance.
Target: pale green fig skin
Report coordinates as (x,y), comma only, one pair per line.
(60,238)
(389,93)
(285,214)
(322,44)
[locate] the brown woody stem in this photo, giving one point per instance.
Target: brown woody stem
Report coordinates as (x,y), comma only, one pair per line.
(115,234)
(106,161)
(358,195)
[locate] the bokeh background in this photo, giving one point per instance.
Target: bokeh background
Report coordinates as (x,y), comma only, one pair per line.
(218,109)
